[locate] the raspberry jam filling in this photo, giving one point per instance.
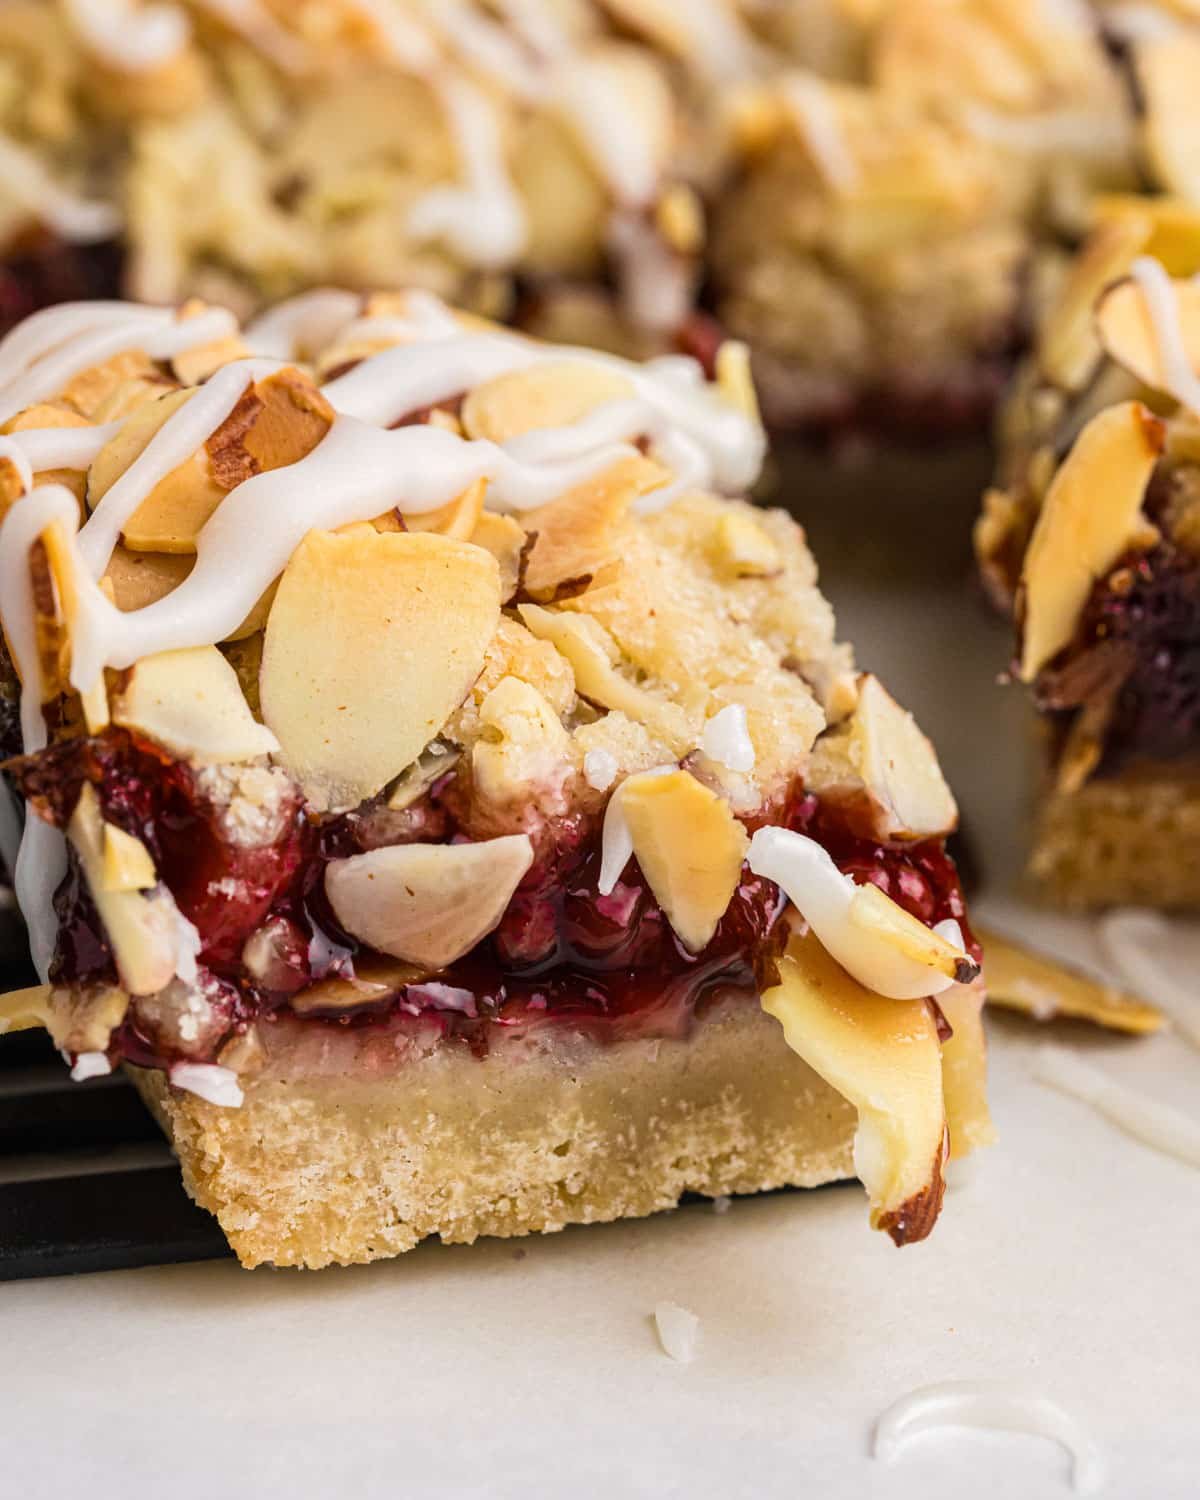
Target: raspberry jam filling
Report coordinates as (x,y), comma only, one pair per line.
(1138,649)
(562,953)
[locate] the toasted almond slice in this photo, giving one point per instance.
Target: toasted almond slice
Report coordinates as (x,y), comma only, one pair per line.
(582,641)
(1167,69)
(1174,227)
(427,904)
(191,702)
(373,980)
(127,862)
(142,930)
(883,770)
(1092,510)
(877,916)
(414,781)
(170,517)
(25,1010)
(578,534)
(506,540)
(553,394)
(873,938)
(1128,331)
(884,1057)
(964,1071)
(459,519)
(277,422)
(743,549)
(1018,978)
(690,848)
(1068,350)
(373,640)
(141,578)
(735,378)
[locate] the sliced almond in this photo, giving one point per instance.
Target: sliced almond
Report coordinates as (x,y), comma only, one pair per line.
(170,517)
(1020,979)
(433,762)
(1128,331)
(883,770)
(427,904)
(1167,69)
(1091,511)
(1068,350)
(25,1010)
(191,702)
(373,640)
(1174,238)
(127,862)
(586,646)
(690,848)
(457,520)
(142,930)
(506,540)
(878,917)
(964,1071)
(82,1018)
(884,1057)
(277,421)
(578,534)
(373,980)
(142,578)
(549,395)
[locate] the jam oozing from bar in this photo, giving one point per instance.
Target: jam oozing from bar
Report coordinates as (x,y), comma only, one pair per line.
(1137,646)
(42,270)
(562,953)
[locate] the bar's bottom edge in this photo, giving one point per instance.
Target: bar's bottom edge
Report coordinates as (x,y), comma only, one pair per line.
(325,1168)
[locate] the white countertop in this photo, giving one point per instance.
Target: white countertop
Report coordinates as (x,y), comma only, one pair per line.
(1067,1264)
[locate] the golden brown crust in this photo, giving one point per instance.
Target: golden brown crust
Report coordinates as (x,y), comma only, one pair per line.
(1130,839)
(322,1165)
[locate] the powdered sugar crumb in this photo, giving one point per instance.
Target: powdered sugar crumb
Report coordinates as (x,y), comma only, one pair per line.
(678,1331)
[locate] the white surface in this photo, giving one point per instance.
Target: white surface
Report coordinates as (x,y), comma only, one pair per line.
(1067,1264)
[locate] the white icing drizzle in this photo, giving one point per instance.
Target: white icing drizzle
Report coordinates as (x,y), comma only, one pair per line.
(128,36)
(404,41)
(1180,379)
(90,1065)
(41,865)
(482,219)
(993,1406)
(1086,133)
(488,48)
(303,326)
(1158,1125)
(208,1081)
(45,448)
(254,23)
(815,114)
(703,437)
(822,895)
(152,329)
(613,134)
(1131,941)
(726,739)
(24,180)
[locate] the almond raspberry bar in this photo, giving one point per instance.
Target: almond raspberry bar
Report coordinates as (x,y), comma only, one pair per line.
(1092,536)
(863,192)
(446,796)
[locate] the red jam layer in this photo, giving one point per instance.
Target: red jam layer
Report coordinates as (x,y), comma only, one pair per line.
(562,952)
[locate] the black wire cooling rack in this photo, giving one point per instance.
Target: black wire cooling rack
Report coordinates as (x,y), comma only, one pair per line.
(86,1180)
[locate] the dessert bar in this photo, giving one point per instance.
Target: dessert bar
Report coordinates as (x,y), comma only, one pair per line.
(870,195)
(446,795)
(1091,538)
